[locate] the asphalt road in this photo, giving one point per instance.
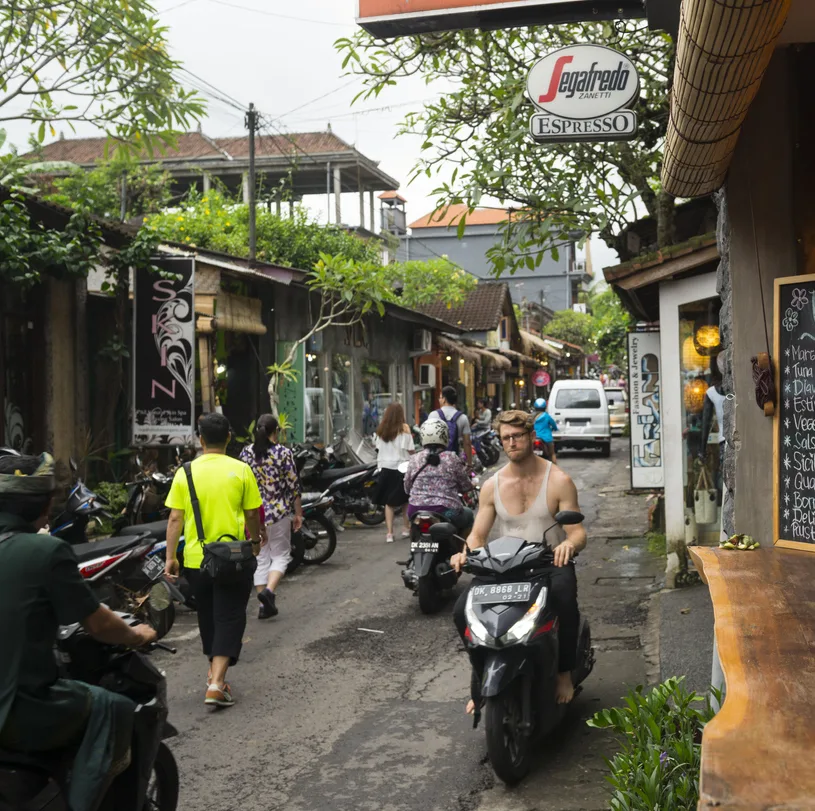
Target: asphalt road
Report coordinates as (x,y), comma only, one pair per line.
(351,699)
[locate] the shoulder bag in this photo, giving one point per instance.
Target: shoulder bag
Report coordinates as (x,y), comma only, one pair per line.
(225,561)
(705,499)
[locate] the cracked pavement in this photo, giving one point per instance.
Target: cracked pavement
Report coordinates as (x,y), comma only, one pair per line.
(329,716)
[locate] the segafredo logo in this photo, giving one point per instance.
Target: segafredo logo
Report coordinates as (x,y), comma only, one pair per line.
(582,82)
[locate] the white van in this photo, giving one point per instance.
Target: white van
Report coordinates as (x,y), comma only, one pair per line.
(580,409)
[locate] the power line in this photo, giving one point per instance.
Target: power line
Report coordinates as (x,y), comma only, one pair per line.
(280,16)
(319,98)
(369,110)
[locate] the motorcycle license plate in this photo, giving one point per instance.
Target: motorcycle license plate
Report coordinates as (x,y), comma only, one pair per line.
(153,568)
(502,593)
(424,546)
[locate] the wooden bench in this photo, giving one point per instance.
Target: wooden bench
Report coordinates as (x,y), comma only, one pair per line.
(758,753)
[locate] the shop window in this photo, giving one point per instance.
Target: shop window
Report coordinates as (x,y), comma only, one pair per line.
(376,396)
(315,399)
(341,389)
(702,408)
(504,329)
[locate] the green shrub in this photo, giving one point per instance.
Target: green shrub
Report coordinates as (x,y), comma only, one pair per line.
(661,732)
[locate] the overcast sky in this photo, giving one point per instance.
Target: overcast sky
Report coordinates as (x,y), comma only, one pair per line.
(280,55)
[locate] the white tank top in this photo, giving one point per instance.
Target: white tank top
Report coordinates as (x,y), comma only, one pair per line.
(529,525)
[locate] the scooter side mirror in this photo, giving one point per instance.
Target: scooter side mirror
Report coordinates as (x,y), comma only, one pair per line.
(566,517)
(441,532)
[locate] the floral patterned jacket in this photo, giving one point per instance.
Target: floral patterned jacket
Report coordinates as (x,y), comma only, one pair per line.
(437,486)
(277,478)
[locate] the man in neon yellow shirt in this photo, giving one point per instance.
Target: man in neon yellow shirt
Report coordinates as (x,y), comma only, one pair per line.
(229,500)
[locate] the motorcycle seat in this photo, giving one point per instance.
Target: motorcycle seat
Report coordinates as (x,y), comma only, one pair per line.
(88,551)
(157,530)
(339,472)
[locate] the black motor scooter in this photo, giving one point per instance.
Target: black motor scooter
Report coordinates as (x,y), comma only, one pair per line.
(150,781)
(427,571)
(512,642)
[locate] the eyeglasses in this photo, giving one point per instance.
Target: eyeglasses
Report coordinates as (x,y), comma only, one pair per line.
(509,439)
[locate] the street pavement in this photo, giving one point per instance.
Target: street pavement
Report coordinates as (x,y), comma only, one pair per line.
(353,700)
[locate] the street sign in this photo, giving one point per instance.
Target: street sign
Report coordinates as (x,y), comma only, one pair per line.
(164,354)
(582,92)
(391,18)
(541,378)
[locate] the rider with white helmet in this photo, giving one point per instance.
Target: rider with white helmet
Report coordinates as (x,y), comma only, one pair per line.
(436,477)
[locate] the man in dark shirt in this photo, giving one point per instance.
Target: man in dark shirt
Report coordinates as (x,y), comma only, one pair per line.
(41,589)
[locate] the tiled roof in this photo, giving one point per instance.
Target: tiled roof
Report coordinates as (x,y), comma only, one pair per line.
(312,143)
(392,195)
(197,146)
(451,215)
(481,312)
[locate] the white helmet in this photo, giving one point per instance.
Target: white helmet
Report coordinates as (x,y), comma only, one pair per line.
(434,432)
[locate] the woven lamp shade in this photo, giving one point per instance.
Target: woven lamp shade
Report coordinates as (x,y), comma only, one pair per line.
(707,340)
(692,360)
(694,395)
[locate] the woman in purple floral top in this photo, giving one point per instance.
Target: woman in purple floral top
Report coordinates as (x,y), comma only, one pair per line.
(279,484)
(436,477)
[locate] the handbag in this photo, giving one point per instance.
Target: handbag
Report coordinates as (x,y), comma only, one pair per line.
(226,562)
(704,499)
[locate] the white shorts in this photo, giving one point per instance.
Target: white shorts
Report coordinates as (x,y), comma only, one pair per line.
(275,556)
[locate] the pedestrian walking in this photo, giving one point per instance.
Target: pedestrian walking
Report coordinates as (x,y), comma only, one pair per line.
(276,473)
(394,444)
(213,499)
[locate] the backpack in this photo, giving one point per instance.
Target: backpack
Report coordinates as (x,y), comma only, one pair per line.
(452,428)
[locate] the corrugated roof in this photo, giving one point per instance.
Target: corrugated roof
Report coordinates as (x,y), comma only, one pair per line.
(197,146)
(450,216)
(481,312)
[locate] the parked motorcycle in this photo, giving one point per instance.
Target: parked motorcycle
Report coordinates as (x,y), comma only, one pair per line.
(512,642)
(81,507)
(151,779)
(146,495)
(351,488)
(487,446)
(317,539)
(539,449)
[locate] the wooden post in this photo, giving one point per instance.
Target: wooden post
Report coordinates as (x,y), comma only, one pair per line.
(361,198)
(372,211)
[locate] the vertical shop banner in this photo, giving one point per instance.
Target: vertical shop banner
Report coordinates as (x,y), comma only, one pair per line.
(164,354)
(292,394)
(644,391)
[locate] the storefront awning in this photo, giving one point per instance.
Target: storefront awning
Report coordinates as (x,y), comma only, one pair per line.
(491,359)
(233,314)
(518,356)
(722,53)
(466,352)
(532,343)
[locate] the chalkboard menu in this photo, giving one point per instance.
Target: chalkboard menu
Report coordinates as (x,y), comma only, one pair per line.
(794,448)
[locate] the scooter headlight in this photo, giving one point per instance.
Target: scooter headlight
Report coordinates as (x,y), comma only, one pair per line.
(519,633)
(477,630)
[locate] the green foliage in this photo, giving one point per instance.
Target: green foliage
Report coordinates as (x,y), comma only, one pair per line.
(576,328)
(115,493)
(99,191)
(611,325)
(658,764)
(104,63)
(28,249)
(657,543)
(213,220)
(476,138)
(426,282)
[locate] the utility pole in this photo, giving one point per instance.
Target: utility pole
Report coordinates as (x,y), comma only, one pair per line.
(251,123)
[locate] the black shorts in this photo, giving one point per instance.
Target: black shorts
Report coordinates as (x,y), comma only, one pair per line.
(390,490)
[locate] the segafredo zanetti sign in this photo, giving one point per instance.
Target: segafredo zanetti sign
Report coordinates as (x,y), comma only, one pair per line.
(583,92)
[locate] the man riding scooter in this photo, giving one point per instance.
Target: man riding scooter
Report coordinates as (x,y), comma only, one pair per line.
(544,426)
(40,589)
(524,496)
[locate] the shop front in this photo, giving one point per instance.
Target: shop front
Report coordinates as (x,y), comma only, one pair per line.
(677,399)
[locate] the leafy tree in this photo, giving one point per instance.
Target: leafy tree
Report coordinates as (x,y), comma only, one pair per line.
(418,283)
(147,188)
(611,325)
(478,133)
(103,62)
(213,220)
(576,328)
